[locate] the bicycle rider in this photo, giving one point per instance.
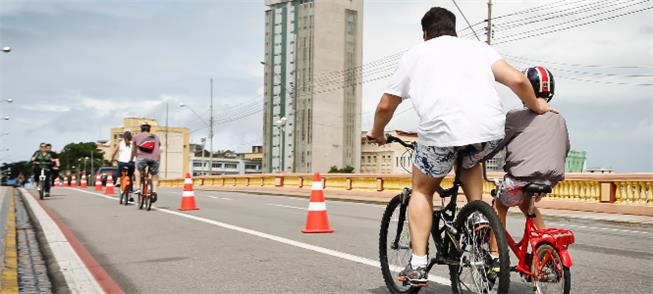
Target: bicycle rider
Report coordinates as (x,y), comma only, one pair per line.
(451,84)
(55,161)
(146,148)
(528,134)
(42,159)
(124,151)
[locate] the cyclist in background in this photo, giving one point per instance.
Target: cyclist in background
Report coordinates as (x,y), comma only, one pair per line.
(451,84)
(42,159)
(55,161)
(146,149)
(124,151)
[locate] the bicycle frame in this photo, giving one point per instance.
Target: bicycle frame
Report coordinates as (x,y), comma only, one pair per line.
(534,237)
(125,181)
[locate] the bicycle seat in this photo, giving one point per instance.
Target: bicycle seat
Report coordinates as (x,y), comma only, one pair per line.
(536,188)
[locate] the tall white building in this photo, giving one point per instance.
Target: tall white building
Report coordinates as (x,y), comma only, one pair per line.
(312,88)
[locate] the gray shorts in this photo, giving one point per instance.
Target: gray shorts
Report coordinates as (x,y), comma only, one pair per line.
(154,165)
(437,162)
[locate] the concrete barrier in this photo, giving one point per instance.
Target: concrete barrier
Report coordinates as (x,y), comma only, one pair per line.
(634,188)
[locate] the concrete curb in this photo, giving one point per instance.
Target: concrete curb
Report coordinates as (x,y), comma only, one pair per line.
(77,276)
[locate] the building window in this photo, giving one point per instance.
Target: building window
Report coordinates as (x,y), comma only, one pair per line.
(216,165)
(231,165)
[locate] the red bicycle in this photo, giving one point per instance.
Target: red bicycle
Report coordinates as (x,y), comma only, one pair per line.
(546,265)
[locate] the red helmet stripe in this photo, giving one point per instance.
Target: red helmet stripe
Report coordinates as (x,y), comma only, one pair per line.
(545,85)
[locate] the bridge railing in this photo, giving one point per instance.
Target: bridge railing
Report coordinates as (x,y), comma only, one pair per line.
(636,188)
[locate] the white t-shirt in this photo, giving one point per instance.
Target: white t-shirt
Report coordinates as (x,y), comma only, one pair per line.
(450,83)
(124,151)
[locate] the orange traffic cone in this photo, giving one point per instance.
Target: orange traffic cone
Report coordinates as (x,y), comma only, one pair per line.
(109,190)
(57,182)
(188,196)
(67,184)
(317,220)
(73,183)
(98,182)
(84,184)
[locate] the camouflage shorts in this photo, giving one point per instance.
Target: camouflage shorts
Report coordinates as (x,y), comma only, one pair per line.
(437,162)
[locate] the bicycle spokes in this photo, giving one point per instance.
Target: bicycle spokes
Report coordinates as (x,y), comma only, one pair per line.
(475,272)
(550,274)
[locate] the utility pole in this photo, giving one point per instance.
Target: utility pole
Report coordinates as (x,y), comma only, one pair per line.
(167,131)
(489,22)
(211,131)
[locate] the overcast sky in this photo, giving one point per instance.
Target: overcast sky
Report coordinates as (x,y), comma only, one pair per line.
(78,67)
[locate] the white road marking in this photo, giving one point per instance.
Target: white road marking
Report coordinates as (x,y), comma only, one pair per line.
(601,228)
(219,198)
(319,249)
(286,206)
(78,277)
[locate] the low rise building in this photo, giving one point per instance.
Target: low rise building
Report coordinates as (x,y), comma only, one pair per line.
(225,162)
(388,158)
(175,152)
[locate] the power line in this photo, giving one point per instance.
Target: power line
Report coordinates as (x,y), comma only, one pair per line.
(578,64)
(576,10)
(567,22)
(465,18)
(601,74)
(517,37)
(539,8)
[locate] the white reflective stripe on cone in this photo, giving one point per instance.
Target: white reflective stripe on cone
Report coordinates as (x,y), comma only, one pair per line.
(317,186)
(316,206)
(188,181)
(187,194)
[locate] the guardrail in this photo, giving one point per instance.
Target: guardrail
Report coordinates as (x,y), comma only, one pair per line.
(608,188)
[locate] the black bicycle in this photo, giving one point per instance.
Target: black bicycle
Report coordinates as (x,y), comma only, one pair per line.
(146,194)
(463,243)
(42,185)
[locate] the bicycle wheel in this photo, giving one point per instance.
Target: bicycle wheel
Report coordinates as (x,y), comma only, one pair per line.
(477,223)
(124,196)
(394,253)
(41,190)
(552,275)
(141,200)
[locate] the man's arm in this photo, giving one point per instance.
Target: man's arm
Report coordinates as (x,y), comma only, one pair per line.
(131,158)
(115,151)
(507,75)
(384,112)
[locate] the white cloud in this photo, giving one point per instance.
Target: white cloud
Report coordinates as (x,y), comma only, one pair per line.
(46,108)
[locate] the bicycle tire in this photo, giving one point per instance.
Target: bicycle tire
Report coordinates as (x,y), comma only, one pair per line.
(141,200)
(41,190)
(461,224)
(566,274)
(388,277)
(149,198)
(124,195)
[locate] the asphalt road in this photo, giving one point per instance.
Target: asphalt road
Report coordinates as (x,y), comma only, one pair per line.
(242,243)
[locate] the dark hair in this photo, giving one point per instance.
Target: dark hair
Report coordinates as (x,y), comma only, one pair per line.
(48,145)
(145,128)
(439,22)
(127,135)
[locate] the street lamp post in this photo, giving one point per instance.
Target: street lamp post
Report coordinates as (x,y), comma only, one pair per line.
(209,124)
(6,49)
(281,124)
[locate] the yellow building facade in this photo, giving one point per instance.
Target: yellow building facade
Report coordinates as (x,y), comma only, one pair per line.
(175,149)
(386,159)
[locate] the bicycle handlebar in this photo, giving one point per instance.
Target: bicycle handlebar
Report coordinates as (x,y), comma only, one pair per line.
(391,139)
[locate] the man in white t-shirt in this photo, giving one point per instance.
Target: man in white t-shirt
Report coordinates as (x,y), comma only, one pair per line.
(451,83)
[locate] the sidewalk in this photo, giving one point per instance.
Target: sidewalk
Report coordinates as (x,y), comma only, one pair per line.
(563,209)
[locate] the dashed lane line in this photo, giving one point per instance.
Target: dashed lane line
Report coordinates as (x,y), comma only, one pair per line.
(319,249)
(603,229)
(286,206)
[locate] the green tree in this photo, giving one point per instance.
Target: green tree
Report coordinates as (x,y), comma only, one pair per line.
(345,170)
(72,153)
